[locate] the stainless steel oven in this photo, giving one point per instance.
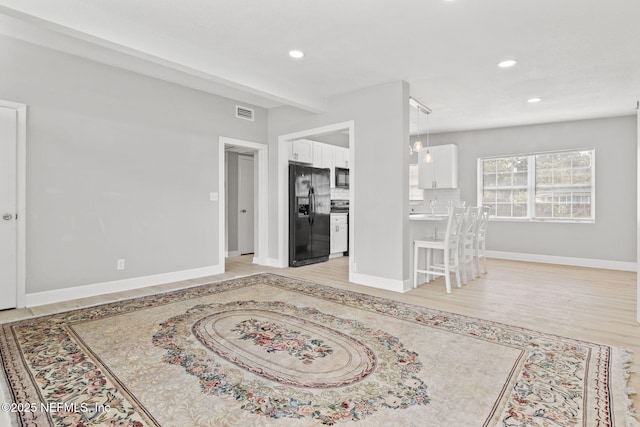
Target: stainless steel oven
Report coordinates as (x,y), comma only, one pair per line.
(342,178)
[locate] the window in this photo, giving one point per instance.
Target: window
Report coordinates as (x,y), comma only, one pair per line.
(505,186)
(415,192)
(555,186)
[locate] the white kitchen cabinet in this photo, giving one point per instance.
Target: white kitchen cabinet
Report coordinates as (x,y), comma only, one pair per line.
(415,192)
(339,233)
(329,156)
(301,151)
(324,157)
(341,157)
(442,171)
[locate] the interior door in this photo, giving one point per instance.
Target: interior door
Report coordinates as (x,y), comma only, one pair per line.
(8,207)
(245,205)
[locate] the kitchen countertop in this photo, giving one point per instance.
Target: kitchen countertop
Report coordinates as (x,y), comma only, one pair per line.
(427,217)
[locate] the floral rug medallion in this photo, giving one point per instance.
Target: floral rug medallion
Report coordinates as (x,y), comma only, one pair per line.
(299,347)
(287,349)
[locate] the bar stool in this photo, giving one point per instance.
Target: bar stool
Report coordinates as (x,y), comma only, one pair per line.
(448,246)
(481,239)
(467,244)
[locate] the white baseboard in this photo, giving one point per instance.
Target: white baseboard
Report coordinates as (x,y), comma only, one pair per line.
(577,262)
(380,282)
(66,294)
(230,254)
(272,262)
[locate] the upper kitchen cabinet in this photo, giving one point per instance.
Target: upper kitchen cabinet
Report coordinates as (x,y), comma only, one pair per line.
(341,157)
(330,156)
(301,151)
(322,155)
(442,170)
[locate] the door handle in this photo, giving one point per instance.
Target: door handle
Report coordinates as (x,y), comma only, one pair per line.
(312,203)
(7,217)
(243,211)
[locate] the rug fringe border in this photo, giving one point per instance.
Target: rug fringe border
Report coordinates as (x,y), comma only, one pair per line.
(5,395)
(632,417)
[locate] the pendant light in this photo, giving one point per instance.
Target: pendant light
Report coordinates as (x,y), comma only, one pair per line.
(417,144)
(428,158)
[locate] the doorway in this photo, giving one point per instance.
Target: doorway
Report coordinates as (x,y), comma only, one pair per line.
(246,216)
(348,128)
(253,222)
(240,194)
(12,204)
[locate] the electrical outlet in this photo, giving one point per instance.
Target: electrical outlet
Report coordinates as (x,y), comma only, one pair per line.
(120,264)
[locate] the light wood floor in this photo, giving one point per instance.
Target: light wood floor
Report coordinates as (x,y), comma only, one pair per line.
(583,303)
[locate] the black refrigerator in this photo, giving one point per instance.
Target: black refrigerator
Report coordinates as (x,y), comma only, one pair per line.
(309,215)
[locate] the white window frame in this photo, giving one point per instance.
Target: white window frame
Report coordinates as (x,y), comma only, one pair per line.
(531,187)
(415,192)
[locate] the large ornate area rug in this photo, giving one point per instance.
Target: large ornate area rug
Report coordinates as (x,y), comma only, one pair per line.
(269,350)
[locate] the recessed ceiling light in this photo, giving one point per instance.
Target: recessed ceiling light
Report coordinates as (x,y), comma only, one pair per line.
(296,54)
(533,100)
(507,63)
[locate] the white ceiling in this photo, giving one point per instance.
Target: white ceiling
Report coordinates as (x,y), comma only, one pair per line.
(582,57)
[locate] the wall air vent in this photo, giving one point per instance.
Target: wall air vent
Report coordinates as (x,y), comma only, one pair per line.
(244,113)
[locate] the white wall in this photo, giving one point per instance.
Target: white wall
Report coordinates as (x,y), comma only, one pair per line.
(381,182)
(119,165)
(340,139)
(612,237)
